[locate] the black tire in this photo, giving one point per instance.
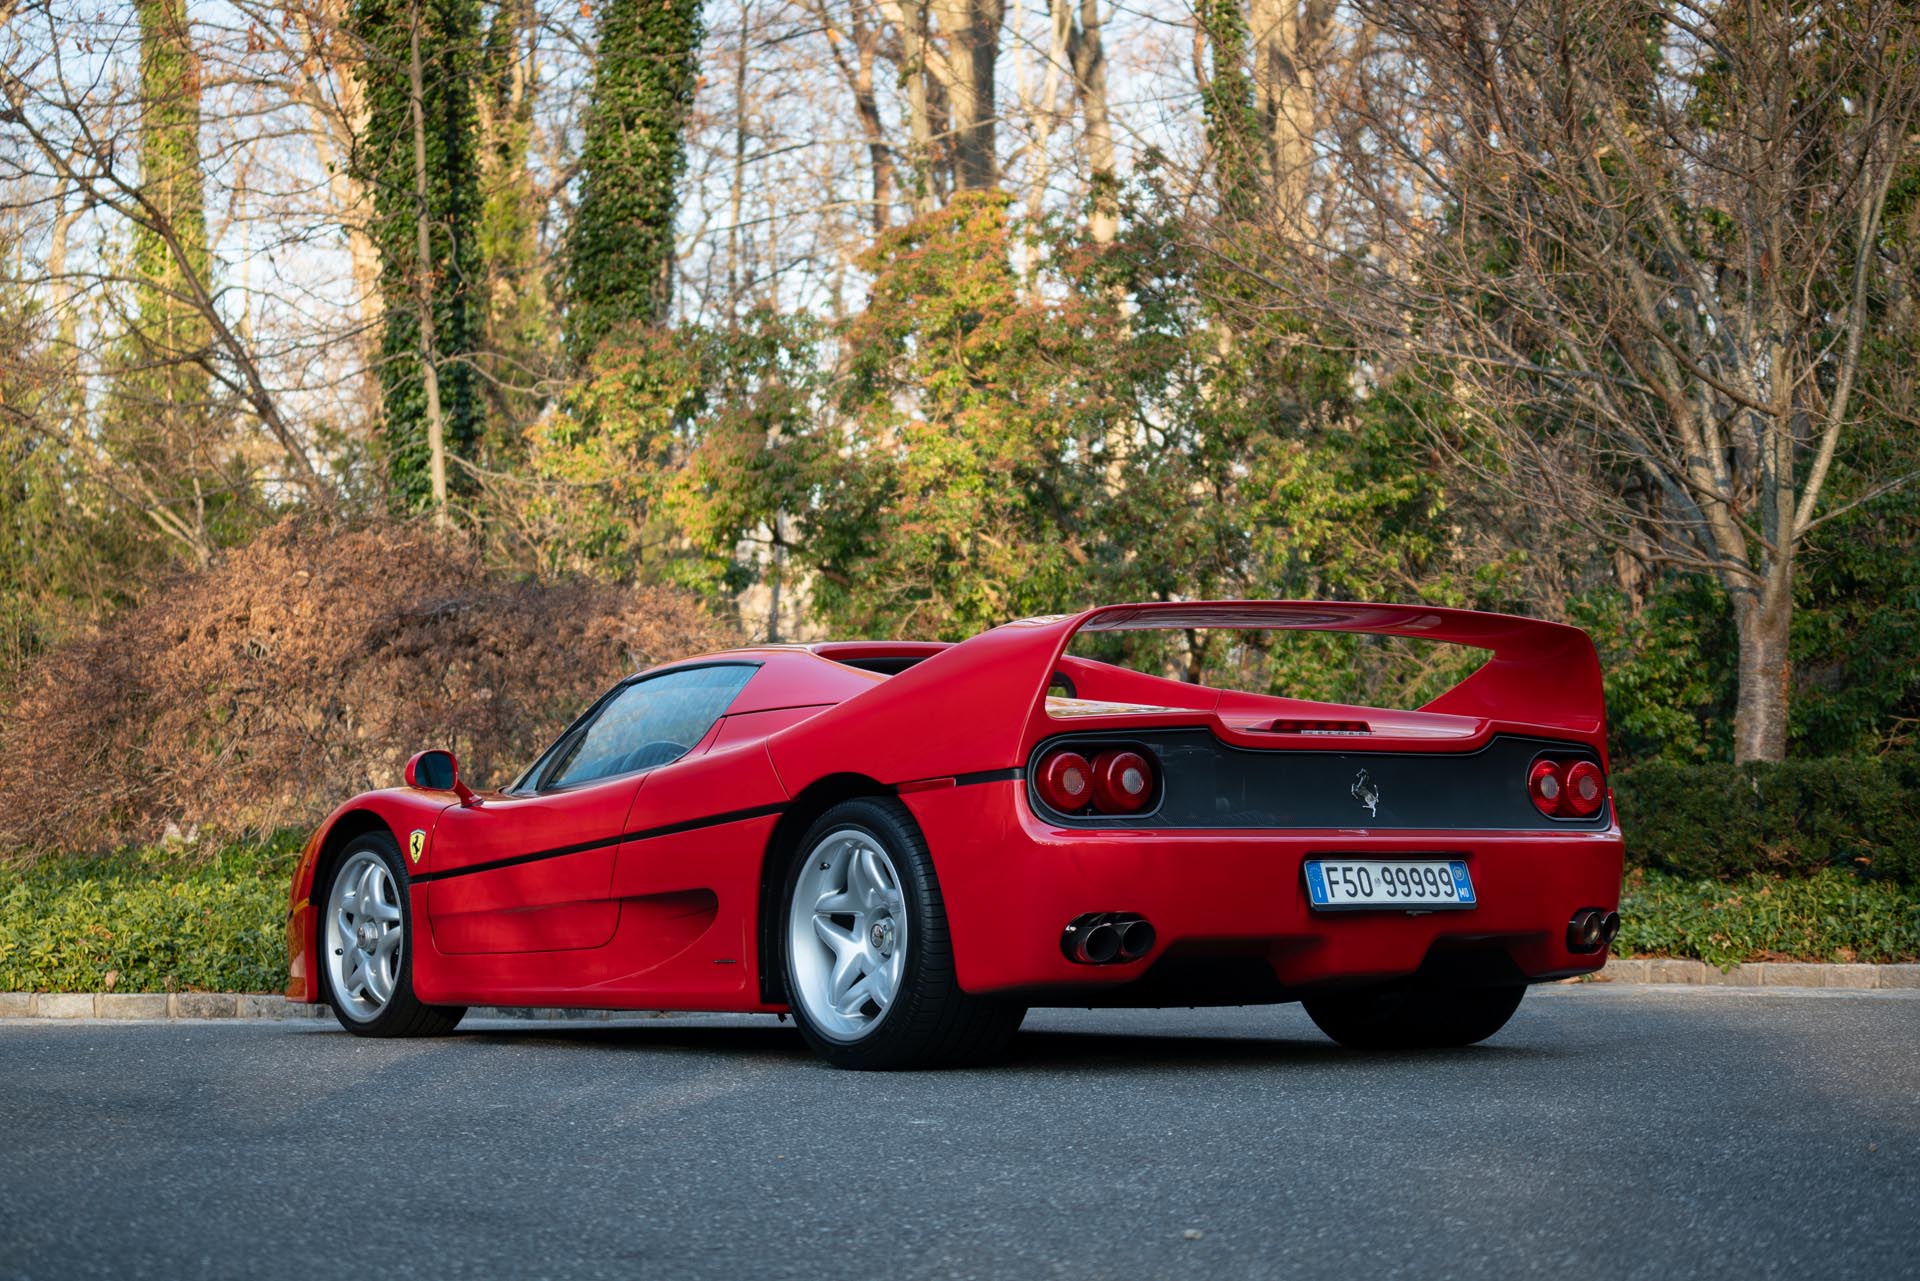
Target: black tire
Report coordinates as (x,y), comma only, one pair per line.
(931,1023)
(1413,1018)
(403,1014)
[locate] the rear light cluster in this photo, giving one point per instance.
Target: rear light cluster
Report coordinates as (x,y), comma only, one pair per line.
(1567,789)
(1286,726)
(1116,781)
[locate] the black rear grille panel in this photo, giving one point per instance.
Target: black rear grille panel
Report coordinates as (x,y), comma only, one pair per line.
(1205,783)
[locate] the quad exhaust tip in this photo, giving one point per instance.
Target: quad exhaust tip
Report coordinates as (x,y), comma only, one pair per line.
(1106,938)
(1591,929)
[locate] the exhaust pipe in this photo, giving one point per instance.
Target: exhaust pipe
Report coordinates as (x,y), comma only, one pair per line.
(1583,932)
(1591,929)
(1102,938)
(1136,939)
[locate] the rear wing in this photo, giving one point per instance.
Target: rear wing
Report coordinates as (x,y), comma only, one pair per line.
(1539,673)
(978,706)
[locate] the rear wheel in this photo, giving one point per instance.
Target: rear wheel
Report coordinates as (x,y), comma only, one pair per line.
(869,962)
(1412,1018)
(364,946)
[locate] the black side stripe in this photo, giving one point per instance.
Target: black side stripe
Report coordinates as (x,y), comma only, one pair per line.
(989,776)
(669,829)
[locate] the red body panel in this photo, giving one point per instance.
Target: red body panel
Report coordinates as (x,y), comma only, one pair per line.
(646,891)
(1222,893)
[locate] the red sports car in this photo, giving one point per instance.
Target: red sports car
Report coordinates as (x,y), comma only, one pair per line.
(905,845)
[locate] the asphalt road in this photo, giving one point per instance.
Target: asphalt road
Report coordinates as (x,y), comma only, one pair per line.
(1607,1132)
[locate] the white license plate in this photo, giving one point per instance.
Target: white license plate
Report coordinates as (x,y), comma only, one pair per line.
(1423,884)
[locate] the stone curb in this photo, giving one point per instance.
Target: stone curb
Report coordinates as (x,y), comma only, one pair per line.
(234,1005)
(250,1005)
(1663,969)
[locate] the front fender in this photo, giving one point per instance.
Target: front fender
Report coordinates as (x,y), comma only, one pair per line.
(400,811)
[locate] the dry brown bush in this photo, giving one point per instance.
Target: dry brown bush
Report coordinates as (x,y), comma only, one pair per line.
(306,667)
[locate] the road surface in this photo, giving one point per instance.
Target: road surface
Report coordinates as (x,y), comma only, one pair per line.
(1609,1131)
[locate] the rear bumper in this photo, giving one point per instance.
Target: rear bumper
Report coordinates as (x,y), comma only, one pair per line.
(1224,901)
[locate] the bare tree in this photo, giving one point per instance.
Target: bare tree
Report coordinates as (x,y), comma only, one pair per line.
(1642,258)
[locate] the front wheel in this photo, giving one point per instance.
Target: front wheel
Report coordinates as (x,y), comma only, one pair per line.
(1413,1019)
(869,961)
(364,946)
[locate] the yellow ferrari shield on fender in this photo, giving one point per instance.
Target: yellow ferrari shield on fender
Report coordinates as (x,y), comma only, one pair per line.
(416,844)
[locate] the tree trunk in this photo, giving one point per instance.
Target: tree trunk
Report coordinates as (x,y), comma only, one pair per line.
(436,426)
(1288,39)
(1763,622)
(1088,54)
(919,75)
(972,28)
(867,106)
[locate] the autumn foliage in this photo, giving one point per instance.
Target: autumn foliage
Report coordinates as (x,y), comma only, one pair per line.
(303,668)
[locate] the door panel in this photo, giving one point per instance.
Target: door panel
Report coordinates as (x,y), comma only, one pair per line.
(543,904)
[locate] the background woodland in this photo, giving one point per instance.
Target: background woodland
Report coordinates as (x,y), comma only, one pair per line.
(375,372)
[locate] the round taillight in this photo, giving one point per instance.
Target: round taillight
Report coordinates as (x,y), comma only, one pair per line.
(1122,782)
(1066,781)
(1585,789)
(1546,785)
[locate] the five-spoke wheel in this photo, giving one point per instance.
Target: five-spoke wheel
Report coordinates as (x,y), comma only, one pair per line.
(364,935)
(848,932)
(363,944)
(870,973)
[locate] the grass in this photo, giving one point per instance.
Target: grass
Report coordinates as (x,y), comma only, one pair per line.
(155,921)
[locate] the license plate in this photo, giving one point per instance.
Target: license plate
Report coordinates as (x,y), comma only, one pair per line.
(1422,884)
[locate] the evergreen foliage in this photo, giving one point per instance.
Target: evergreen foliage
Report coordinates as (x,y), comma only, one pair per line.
(620,252)
(455,287)
(1721,820)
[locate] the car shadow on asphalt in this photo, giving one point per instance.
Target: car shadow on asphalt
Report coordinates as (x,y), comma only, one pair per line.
(1038,1050)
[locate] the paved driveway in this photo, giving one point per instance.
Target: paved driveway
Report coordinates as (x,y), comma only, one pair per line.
(1607,1132)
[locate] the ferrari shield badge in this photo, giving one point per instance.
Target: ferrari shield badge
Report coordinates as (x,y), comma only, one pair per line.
(416,844)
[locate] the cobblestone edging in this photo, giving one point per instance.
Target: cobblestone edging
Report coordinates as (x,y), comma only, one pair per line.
(229,1005)
(1759,974)
(243,1005)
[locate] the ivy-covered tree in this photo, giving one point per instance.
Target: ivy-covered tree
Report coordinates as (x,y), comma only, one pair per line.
(521,344)
(162,381)
(620,253)
(170,332)
(448,290)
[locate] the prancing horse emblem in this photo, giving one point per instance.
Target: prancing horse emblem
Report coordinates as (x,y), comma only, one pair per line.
(1367,792)
(416,844)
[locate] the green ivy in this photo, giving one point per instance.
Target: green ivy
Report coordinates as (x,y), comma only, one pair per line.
(450,56)
(620,250)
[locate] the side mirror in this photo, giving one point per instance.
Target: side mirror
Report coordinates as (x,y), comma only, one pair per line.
(436,770)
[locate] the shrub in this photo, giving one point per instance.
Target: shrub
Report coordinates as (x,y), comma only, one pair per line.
(1724,821)
(303,668)
(1828,916)
(145,921)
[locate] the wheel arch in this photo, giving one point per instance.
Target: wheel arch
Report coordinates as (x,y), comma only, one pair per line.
(342,832)
(801,813)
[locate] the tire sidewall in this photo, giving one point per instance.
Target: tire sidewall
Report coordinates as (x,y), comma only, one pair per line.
(907,852)
(401,1008)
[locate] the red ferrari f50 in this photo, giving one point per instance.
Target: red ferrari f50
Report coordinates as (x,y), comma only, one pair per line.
(905,845)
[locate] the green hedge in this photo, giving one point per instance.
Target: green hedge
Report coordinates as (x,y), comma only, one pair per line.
(1726,821)
(1828,916)
(148,921)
